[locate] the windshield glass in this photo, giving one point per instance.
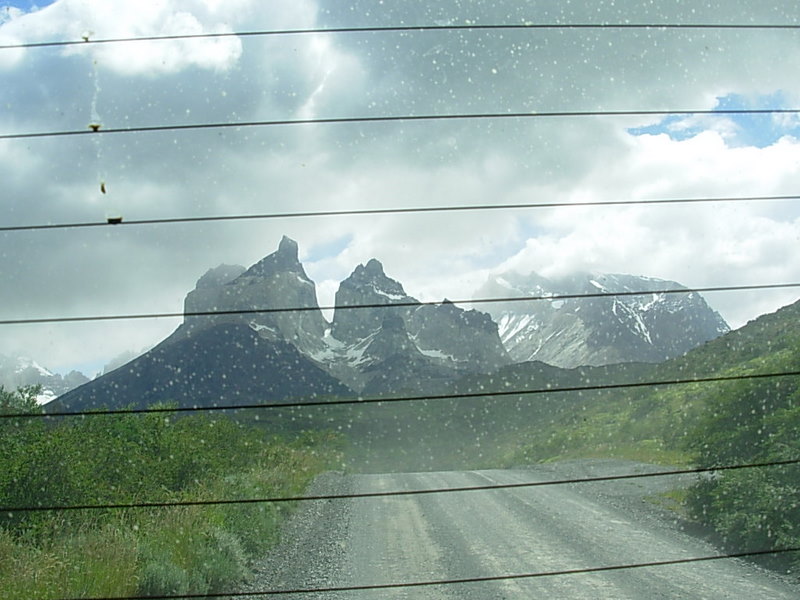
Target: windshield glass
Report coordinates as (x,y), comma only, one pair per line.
(506,287)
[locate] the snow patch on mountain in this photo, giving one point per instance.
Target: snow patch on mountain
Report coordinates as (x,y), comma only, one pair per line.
(602,328)
(22,371)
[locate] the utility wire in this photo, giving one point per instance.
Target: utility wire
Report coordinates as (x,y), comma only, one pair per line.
(465,580)
(396,399)
(386,494)
(95,129)
(87,40)
(408,304)
(394,211)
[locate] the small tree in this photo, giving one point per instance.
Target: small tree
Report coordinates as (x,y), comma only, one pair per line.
(23,400)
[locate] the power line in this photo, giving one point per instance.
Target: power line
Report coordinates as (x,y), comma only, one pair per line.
(464,580)
(87,40)
(387,211)
(397,399)
(387,494)
(96,130)
(409,304)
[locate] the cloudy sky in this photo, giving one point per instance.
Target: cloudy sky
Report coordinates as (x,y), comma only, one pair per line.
(135,269)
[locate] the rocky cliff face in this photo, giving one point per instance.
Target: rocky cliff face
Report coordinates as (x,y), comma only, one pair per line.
(367,285)
(281,338)
(261,336)
(599,330)
(462,337)
(434,343)
(274,284)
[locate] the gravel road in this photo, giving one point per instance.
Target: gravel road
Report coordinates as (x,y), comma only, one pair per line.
(504,532)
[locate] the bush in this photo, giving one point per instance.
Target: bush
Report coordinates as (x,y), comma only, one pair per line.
(107,459)
(751,421)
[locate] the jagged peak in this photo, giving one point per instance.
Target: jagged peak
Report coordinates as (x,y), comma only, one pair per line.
(447,306)
(284,259)
(288,248)
(371,271)
(374,266)
(372,274)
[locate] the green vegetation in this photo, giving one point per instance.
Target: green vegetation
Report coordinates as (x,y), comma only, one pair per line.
(131,459)
(673,500)
(704,424)
(751,421)
(692,424)
(146,458)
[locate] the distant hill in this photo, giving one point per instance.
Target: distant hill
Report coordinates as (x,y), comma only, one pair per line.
(221,365)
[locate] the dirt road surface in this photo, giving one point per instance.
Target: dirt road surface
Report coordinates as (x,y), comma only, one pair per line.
(446,536)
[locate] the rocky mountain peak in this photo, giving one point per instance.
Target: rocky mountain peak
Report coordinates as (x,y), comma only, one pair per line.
(366,285)
(373,276)
(616,326)
(373,268)
(287,247)
(283,260)
(276,281)
(21,371)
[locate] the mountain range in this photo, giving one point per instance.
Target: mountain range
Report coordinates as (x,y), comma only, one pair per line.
(20,371)
(257,334)
(601,319)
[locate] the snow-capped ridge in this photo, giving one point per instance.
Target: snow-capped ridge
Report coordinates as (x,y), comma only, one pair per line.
(602,328)
(23,371)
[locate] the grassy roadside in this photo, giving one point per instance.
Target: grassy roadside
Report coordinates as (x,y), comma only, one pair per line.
(170,550)
(639,428)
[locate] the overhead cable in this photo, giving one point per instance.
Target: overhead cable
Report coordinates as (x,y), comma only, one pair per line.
(395,399)
(464,580)
(87,40)
(96,129)
(394,493)
(409,304)
(395,211)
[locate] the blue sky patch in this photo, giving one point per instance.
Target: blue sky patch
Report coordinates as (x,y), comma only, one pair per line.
(25,5)
(328,249)
(758,130)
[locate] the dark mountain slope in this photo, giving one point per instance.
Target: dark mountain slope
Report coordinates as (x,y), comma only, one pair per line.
(222,365)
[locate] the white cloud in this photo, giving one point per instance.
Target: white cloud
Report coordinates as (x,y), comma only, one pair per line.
(10,57)
(339,167)
(100,19)
(706,162)
(9,13)
(698,245)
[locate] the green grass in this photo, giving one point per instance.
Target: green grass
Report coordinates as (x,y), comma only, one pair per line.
(153,551)
(175,550)
(95,562)
(675,501)
(649,451)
